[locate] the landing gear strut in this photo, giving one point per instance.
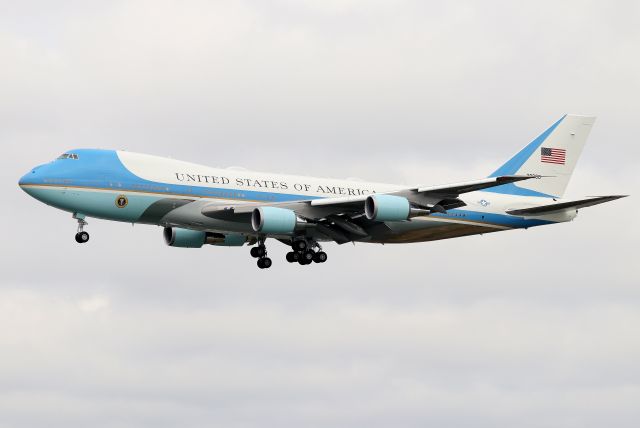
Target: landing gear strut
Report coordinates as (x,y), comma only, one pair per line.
(81,236)
(260,253)
(303,252)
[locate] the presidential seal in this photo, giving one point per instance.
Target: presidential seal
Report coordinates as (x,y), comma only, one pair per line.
(121,201)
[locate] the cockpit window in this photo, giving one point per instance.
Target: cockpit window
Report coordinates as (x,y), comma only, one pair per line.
(68,156)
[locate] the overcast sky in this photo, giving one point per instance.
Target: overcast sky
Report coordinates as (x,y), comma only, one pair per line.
(536,328)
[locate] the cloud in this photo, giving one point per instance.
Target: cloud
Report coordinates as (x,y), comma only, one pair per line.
(362,362)
(93,304)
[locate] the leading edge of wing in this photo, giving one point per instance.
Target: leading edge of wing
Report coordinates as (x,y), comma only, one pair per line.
(472,186)
(452,190)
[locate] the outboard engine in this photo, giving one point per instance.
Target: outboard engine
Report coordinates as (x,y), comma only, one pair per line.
(387,208)
(393,208)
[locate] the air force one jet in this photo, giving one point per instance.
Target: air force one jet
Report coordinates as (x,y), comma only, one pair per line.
(198,205)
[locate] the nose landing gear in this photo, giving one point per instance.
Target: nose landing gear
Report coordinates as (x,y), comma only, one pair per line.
(81,235)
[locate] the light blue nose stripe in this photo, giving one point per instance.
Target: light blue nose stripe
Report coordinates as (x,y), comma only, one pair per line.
(93,204)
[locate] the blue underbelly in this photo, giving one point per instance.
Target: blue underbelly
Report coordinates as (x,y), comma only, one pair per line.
(108,205)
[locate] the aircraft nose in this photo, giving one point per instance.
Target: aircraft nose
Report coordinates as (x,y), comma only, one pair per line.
(28,178)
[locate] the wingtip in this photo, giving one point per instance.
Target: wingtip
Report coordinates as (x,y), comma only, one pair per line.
(618,196)
(610,197)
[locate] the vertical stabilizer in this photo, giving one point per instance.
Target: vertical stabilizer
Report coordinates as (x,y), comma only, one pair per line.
(553,155)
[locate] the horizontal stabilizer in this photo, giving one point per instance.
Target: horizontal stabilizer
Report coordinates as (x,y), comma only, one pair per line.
(551,208)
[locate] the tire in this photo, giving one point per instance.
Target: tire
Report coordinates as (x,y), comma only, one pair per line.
(82,237)
(320,257)
(308,256)
(260,263)
(299,245)
(258,251)
(266,263)
(292,257)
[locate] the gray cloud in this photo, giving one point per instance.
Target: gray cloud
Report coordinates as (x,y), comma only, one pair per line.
(528,328)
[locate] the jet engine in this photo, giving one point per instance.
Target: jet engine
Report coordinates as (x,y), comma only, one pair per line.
(393,208)
(274,220)
(184,238)
(387,208)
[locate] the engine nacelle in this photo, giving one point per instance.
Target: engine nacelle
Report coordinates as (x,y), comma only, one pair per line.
(228,240)
(387,208)
(184,238)
(274,220)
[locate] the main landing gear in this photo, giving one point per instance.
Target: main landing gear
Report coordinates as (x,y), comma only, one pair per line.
(260,253)
(303,252)
(81,236)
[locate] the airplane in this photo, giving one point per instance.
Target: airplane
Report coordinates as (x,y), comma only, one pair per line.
(198,205)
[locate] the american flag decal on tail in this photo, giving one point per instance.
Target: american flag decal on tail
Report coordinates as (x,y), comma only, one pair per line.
(551,155)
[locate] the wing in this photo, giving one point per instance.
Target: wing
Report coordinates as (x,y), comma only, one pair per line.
(342,219)
(319,208)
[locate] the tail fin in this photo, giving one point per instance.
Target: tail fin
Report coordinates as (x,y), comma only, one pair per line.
(553,155)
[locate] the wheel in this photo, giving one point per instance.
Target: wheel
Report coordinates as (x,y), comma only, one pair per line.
(308,256)
(299,245)
(292,256)
(82,237)
(258,251)
(320,257)
(264,263)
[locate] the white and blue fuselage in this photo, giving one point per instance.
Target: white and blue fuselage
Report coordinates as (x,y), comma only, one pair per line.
(91,182)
